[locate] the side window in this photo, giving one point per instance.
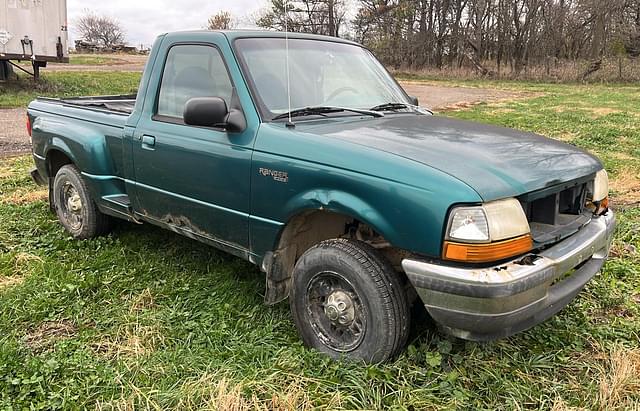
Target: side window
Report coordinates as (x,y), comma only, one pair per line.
(192,71)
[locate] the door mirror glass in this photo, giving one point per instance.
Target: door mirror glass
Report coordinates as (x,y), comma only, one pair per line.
(206,112)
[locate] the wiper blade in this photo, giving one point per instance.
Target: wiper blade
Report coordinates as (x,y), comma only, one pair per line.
(390,107)
(323,110)
(400,106)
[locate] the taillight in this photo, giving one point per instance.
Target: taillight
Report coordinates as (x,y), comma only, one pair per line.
(29,128)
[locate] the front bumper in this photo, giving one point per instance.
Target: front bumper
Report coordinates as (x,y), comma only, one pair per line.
(489,303)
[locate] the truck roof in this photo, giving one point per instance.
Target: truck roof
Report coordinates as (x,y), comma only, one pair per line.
(242,33)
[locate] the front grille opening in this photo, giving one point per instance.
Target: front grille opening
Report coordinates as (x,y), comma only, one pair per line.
(557,215)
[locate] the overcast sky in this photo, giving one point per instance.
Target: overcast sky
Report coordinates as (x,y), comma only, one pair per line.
(143,20)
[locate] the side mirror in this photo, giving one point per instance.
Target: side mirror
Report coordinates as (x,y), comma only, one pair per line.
(213,112)
(414,100)
(206,112)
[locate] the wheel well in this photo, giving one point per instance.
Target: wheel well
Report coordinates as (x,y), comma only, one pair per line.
(55,160)
(309,228)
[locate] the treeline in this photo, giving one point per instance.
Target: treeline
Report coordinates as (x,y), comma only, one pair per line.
(489,37)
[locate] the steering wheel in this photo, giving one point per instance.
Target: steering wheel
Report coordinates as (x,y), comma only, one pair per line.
(340,91)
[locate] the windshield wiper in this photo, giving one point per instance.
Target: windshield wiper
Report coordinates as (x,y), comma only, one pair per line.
(390,107)
(400,106)
(323,110)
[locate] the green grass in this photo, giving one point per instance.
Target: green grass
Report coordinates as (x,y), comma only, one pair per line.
(67,84)
(145,318)
(84,60)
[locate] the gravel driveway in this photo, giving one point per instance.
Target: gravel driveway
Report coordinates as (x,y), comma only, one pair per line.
(13,132)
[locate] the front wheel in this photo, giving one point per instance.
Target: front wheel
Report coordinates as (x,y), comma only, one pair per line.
(74,206)
(347,300)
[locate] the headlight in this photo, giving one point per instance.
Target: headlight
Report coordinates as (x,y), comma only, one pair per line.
(489,232)
(494,221)
(600,186)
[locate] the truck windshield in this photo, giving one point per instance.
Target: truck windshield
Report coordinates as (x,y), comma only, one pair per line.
(322,73)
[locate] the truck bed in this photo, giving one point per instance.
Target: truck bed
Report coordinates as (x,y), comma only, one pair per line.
(119,104)
(96,122)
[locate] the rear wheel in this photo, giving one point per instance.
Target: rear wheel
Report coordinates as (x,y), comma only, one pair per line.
(74,206)
(348,301)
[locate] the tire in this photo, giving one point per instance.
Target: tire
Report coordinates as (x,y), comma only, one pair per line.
(371,324)
(75,207)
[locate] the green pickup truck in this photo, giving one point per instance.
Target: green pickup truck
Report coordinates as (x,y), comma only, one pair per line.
(305,157)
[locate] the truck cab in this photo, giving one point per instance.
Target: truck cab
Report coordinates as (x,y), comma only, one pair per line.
(302,155)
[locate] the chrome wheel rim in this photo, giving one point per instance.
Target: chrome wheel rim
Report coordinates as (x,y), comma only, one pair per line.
(335,311)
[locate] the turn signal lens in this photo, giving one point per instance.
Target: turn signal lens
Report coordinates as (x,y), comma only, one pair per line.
(481,253)
(598,207)
(603,206)
(600,186)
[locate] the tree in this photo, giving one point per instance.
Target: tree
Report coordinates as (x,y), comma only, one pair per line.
(102,30)
(487,35)
(305,16)
(222,20)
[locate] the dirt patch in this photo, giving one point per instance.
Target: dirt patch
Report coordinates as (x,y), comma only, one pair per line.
(622,156)
(442,98)
(13,133)
(603,111)
(22,197)
(43,337)
(117,62)
(626,186)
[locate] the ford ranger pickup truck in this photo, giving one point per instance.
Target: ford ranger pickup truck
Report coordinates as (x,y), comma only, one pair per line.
(302,155)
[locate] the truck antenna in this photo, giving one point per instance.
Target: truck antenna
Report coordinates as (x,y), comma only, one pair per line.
(286,45)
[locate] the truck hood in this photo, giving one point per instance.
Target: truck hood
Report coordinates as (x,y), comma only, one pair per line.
(496,162)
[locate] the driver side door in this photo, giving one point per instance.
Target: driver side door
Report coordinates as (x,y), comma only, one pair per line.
(194,180)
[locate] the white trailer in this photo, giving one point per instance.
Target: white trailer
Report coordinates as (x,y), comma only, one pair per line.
(33,30)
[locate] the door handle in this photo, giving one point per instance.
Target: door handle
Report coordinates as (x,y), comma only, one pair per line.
(148,142)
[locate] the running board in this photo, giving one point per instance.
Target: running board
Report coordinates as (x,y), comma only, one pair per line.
(119,205)
(119,199)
